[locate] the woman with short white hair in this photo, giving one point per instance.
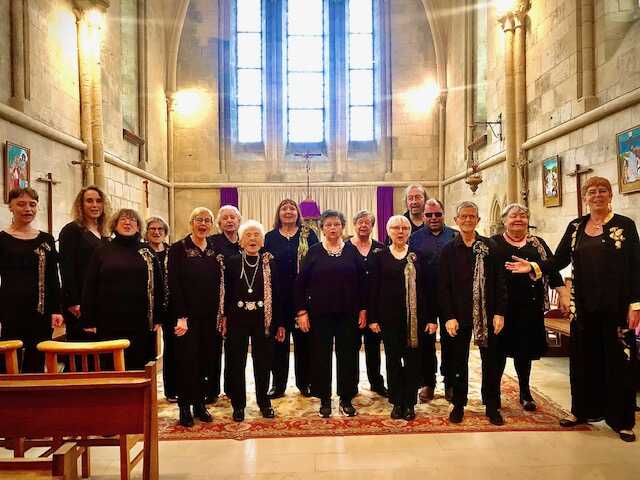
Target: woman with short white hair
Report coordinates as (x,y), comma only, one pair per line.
(196,289)
(398,310)
(252,312)
(228,221)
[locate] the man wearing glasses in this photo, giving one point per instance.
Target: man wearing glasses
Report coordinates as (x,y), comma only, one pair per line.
(428,243)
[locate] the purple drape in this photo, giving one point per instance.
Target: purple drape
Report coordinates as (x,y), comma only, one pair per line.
(385,211)
(229,196)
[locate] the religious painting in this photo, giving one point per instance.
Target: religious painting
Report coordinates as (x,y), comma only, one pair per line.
(628,143)
(17,166)
(551,182)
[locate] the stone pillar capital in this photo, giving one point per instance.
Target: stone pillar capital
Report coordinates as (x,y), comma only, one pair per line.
(507,22)
(84,5)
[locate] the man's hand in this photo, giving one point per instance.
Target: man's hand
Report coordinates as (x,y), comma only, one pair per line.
(431,328)
(181,328)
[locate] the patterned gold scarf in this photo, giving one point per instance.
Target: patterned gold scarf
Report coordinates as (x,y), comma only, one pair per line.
(303,245)
(268,294)
(480,321)
(41,252)
(411,300)
(545,279)
(149,259)
(220,259)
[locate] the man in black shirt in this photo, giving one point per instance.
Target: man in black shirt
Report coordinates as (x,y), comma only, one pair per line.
(473,301)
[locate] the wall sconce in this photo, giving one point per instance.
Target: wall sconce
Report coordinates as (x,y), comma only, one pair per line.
(495,126)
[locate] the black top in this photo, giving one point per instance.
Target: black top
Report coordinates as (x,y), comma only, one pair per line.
(162,258)
(194,282)
(236,290)
(285,251)
(593,293)
(20,280)
(77,246)
(329,284)
(455,281)
(221,244)
(387,293)
(620,276)
(366,261)
(116,296)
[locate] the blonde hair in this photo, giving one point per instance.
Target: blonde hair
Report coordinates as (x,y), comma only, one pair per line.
(77,210)
(394,220)
(197,211)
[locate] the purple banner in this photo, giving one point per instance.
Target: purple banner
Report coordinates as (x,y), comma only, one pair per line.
(385,211)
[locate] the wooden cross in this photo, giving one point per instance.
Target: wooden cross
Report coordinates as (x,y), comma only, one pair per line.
(50,183)
(577,173)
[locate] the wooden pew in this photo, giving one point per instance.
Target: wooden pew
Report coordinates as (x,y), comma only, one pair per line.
(84,405)
(9,348)
(62,464)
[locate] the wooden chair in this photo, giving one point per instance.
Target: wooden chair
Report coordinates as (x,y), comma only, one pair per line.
(62,464)
(53,350)
(9,348)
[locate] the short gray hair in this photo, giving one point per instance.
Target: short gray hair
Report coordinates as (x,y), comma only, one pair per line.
(127,213)
(233,208)
(395,219)
(362,214)
(411,187)
(514,206)
(332,213)
(159,220)
(434,202)
(248,225)
(467,204)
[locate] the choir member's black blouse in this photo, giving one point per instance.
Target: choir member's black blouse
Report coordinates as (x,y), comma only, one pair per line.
(162,257)
(285,252)
(366,261)
(221,244)
(388,294)
(331,284)
(455,281)
(77,246)
(236,290)
(194,281)
(24,293)
(117,296)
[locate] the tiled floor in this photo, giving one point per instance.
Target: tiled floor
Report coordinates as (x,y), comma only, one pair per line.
(508,455)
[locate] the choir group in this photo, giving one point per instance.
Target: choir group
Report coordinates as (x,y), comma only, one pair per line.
(120,279)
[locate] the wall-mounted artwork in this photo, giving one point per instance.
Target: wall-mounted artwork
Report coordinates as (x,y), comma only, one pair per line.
(17,167)
(552,182)
(628,144)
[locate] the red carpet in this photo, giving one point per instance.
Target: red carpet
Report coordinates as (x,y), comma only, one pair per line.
(297,416)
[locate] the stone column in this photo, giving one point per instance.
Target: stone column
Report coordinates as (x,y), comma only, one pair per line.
(85,103)
(509,118)
(170,158)
(586,54)
(442,129)
(520,61)
(19,53)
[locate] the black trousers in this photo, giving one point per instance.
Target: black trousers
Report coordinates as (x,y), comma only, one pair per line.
(301,360)
(213,370)
(196,352)
(235,357)
(169,361)
(445,353)
(428,360)
(343,327)
(142,348)
(460,369)
(600,370)
(523,369)
(31,333)
(372,342)
(403,367)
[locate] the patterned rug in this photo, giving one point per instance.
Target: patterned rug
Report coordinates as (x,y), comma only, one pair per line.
(298,416)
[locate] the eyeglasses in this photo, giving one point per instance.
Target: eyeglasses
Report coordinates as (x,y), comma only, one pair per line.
(433,214)
(400,227)
(206,221)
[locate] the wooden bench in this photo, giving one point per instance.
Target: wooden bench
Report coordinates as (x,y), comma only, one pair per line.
(62,464)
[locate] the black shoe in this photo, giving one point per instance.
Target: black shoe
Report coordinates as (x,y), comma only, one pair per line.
(267,412)
(571,422)
(457,414)
(381,390)
(409,413)
(172,398)
(448,393)
(210,399)
(528,405)
(595,419)
(396,412)
(305,391)
(347,409)
(426,394)
(238,414)
(325,408)
(495,418)
(626,436)
(200,411)
(186,419)
(275,393)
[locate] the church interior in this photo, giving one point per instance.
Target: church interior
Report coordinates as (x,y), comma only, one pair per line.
(168,105)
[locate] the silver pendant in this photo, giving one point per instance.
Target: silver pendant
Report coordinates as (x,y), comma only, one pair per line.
(250,290)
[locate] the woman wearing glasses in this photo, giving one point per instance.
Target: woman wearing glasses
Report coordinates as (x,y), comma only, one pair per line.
(196,289)
(604,307)
(398,310)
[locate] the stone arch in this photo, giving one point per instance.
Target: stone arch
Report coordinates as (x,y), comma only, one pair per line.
(495,221)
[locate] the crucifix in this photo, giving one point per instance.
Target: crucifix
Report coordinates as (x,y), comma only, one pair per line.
(50,183)
(577,173)
(306,157)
